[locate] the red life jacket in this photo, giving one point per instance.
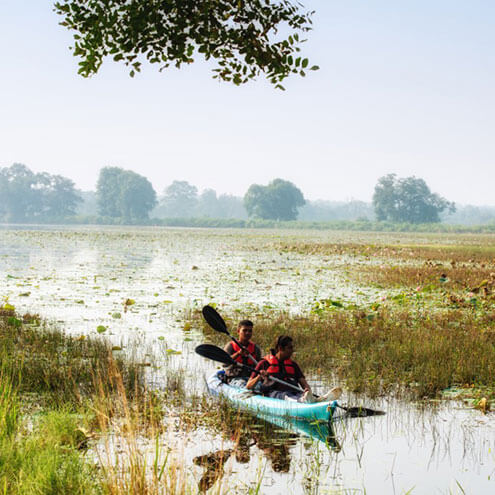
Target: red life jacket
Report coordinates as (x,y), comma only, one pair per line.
(276,370)
(245,359)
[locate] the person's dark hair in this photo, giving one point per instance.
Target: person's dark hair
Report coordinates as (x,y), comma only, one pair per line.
(245,323)
(281,342)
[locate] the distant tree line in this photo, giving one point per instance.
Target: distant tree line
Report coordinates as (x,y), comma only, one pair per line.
(324,211)
(123,196)
(182,200)
(28,196)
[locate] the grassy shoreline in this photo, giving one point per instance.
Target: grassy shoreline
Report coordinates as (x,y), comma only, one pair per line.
(61,396)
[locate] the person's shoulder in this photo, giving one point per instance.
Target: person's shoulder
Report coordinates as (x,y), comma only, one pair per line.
(229,348)
(294,363)
(297,368)
(263,363)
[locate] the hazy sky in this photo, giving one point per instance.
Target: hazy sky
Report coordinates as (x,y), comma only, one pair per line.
(404,87)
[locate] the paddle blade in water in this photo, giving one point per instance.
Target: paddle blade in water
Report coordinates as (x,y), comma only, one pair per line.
(213,352)
(362,412)
(214,319)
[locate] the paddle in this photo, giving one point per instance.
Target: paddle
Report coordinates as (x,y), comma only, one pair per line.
(216,322)
(360,412)
(216,354)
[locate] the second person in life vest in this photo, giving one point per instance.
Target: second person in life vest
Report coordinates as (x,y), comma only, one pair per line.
(280,365)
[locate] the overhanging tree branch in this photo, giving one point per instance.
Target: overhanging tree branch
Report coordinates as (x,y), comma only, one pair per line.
(240,35)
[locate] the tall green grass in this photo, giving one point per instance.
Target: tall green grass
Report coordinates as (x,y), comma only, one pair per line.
(45,460)
(59,368)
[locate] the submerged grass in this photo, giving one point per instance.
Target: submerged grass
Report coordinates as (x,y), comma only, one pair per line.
(461,249)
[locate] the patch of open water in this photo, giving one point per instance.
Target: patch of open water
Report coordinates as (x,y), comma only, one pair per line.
(81,277)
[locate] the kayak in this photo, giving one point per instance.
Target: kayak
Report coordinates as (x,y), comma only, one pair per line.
(249,401)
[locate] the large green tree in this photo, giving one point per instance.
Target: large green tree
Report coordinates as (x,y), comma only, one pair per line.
(28,196)
(59,196)
(124,194)
(279,200)
(179,200)
(246,38)
(407,200)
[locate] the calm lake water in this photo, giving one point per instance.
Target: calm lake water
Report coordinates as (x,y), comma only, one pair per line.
(81,277)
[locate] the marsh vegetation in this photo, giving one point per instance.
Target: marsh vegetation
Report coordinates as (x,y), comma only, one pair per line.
(356,319)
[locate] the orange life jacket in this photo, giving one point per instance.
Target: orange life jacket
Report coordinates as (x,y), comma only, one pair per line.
(276,370)
(245,359)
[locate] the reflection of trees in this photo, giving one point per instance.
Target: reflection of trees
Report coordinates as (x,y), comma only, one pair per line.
(36,251)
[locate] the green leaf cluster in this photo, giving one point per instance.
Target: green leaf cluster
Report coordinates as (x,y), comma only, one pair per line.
(243,37)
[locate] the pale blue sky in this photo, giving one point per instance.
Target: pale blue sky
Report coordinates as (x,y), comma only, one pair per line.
(404,87)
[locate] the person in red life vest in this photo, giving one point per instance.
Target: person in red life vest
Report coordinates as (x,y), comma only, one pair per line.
(250,355)
(280,365)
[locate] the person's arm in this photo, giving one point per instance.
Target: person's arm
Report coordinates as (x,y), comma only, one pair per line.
(256,377)
(301,379)
(304,384)
(229,349)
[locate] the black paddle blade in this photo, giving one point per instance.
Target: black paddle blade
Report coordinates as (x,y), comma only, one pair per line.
(213,352)
(362,412)
(214,319)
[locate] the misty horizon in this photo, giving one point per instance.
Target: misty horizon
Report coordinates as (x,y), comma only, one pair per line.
(416,100)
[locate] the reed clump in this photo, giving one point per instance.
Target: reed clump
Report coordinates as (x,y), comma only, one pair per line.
(476,279)
(64,404)
(60,368)
(391,349)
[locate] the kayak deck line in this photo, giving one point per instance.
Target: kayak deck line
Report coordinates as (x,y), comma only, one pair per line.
(249,401)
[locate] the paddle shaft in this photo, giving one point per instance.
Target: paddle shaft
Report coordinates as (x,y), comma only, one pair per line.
(243,348)
(213,318)
(273,378)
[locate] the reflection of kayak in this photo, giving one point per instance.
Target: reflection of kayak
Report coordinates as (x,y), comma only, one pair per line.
(318,430)
(249,401)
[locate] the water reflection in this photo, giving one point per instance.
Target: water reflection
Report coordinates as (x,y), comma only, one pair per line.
(272,437)
(213,465)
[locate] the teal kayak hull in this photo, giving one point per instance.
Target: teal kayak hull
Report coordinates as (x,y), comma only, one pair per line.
(248,401)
